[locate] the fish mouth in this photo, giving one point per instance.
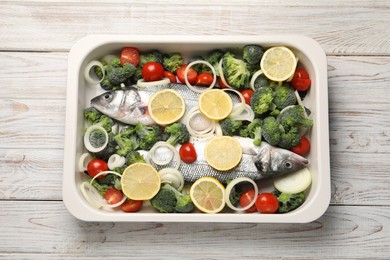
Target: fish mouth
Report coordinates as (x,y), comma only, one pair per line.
(302,160)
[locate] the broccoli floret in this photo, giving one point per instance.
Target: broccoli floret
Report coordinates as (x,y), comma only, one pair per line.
(126,143)
(154,56)
(92,115)
(148,135)
(98,70)
(134,157)
(108,150)
(235,71)
(117,75)
(173,62)
(107,85)
(169,200)
(137,74)
(106,122)
(127,131)
(289,202)
(252,54)
(261,81)
(101,188)
(230,127)
(234,195)
(262,100)
(199,67)
(177,133)
(290,138)
(254,130)
(294,116)
(213,58)
(244,132)
(271,130)
(284,96)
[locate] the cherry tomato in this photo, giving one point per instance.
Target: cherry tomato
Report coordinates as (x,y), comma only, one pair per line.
(247,94)
(95,166)
(267,203)
(152,71)
(191,74)
(187,153)
(170,76)
(204,79)
(132,205)
(246,198)
(129,55)
(220,83)
(303,147)
(301,80)
(113,196)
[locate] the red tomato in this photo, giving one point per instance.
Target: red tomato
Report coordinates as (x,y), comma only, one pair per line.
(95,166)
(113,196)
(152,71)
(303,147)
(220,83)
(187,153)
(267,203)
(204,79)
(301,80)
(247,94)
(129,55)
(132,205)
(170,76)
(246,198)
(191,74)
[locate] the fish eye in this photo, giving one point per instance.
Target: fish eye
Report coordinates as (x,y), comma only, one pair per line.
(288,164)
(107,96)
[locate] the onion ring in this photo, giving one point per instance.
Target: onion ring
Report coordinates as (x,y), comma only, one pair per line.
(253,79)
(222,76)
(149,158)
(231,185)
(200,62)
(173,177)
(88,145)
(89,67)
(85,158)
(115,161)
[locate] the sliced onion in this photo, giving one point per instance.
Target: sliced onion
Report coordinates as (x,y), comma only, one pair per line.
(206,132)
(156,158)
(89,67)
(85,158)
(200,62)
(173,177)
(231,185)
(254,77)
(151,156)
(222,76)
(88,145)
(237,108)
(116,161)
(88,191)
(141,83)
(218,130)
(247,114)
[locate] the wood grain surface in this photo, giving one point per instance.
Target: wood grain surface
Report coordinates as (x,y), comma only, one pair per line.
(35,37)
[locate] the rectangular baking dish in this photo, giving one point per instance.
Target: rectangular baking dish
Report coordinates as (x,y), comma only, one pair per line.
(310,56)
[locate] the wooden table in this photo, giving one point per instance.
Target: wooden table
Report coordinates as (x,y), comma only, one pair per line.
(35,37)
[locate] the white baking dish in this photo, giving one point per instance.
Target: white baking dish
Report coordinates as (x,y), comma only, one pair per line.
(310,55)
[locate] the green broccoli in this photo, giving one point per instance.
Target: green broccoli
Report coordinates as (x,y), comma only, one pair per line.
(244,132)
(271,130)
(284,96)
(235,71)
(126,143)
(154,56)
(106,122)
(117,75)
(254,129)
(289,202)
(134,157)
(261,81)
(92,115)
(230,127)
(177,133)
(173,62)
(108,150)
(137,74)
(169,200)
(107,85)
(127,131)
(213,58)
(98,70)
(262,100)
(290,138)
(101,188)
(294,116)
(199,68)
(252,54)
(234,195)
(148,135)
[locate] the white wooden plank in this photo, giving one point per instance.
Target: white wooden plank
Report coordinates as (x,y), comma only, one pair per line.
(47,229)
(342,30)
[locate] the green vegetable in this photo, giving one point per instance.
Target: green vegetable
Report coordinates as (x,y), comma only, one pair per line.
(148,135)
(252,54)
(289,202)
(294,116)
(94,117)
(134,157)
(230,127)
(127,141)
(284,96)
(290,138)
(154,56)
(107,85)
(101,188)
(137,74)
(118,74)
(178,133)
(199,68)
(262,100)
(213,58)
(261,81)
(235,71)
(169,200)
(173,62)
(108,150)
(271,130)
(254,131)
(234,195)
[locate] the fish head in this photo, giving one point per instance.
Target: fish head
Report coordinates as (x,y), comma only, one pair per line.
(109,102)
(271,161)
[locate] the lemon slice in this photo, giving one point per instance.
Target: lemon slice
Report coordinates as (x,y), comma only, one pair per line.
(166,106)
(140,181)
(278,63)
(208,195)
(215,104)
(223,153)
